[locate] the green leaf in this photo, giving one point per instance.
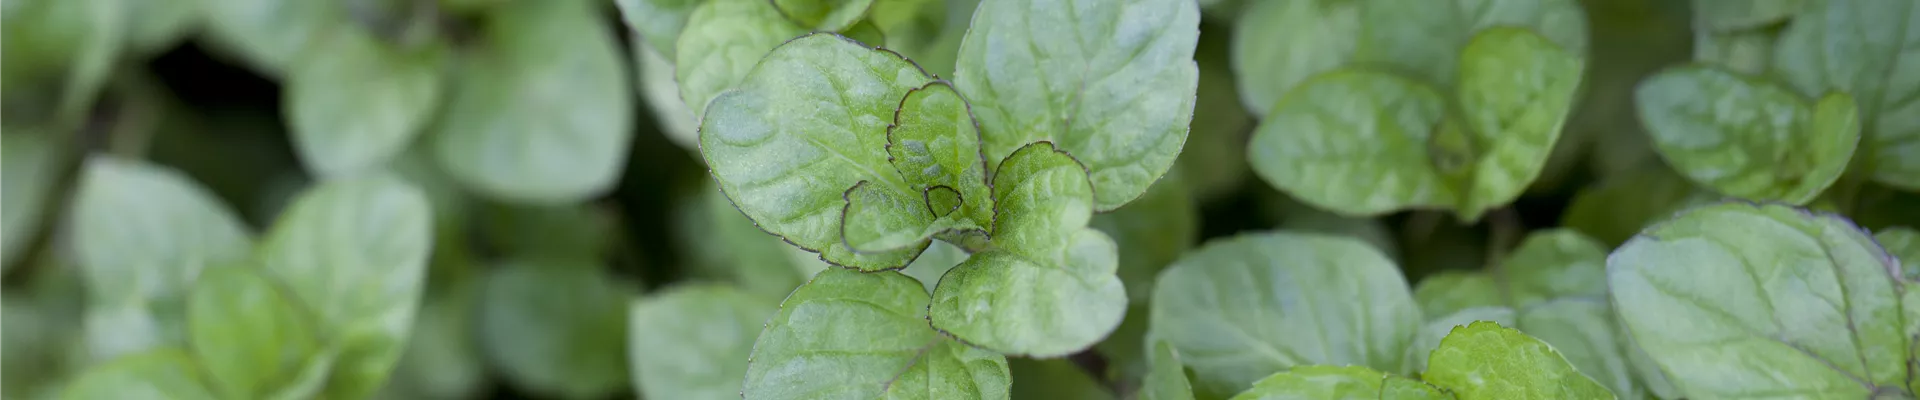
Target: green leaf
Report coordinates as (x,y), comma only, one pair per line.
(1486,361)
(1865,49)
(542,112)
(1719,15)
(1904,244)
(1617,207)
(341,129)
(1552,264)
(40,348)
(64,50)
(1448,292)
(1279,44)
(865,335)
(1152,232)
(556,327)
(1167,380)
(1583,330)
(1056,378)
(934,263)
(1048,287)
(162,24)
(31,163)
(659,22)
(248,335)
(1111,82)
(933,144)
(1242,308)
(793,172)
(1740,300)
(1436,329)
(662,95)
(1515,90)
(354,251)
(1213,163)
(1340,383)
(823,15)
(162,374)
(1355,142)
(442,360)
(270,35)
(721,243)
(1745,51)
(692,342)
(723,41)
(1424,38)
(143,234)
(1747,138)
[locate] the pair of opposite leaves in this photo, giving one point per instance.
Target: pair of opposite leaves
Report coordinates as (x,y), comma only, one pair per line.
(858,154)
(1747,128)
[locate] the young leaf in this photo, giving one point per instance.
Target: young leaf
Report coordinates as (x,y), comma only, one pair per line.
(341,129)
(1278,44)
(793,143)
(1240,309)
(1047,288)
(1515,90)
(692,342)
(1904,244)
(1168,379)
(824,15)
(1340,383)
(556,327)
(30,162)
(251,338)
(1355,142)
(162,374)
(354,251)
(1111,81)
(1484,361)
(935,146)
(143,233)
(851,334)
(542,114)
(1747,138)
(1737,300)
(723,41)
(1424,38)
(658,21)
(1865,49)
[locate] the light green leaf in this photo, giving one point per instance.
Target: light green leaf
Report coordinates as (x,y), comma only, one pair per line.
(1617,207)
(790,145)
(692,342)
(542,112)
(341,129)
(1279,44)
(1111,82)
(1552,264)
(1452,291)
(1437,329)
(556,327)
(64,52)
(1747,138)
(1152,232)
(662,95)
(823,15)
(354,251)
(162,374)
(442,360)
(1868,50)
(847,334)
(1486,361)
(271,34)
(723,41)
(31,163)
(1904,244)
(248,335)
(1425,37)
(933,144)
(1582,329)
(721,243)
(1741,300)
(1168,379)
(659,22)
(1242,308)
(1356,142)
(1340,383)
(1515,90)
(162,24)
(1748,52)
(934,263)
(1048,287)
(1722,15)
(143,233)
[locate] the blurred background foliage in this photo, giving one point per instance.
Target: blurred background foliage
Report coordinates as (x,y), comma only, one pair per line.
(578,235)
